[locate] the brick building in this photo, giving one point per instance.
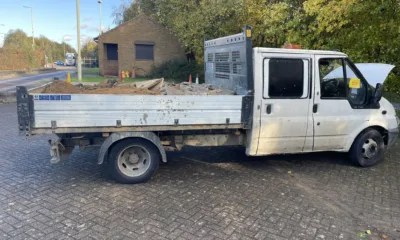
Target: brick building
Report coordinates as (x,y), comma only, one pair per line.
(139,43)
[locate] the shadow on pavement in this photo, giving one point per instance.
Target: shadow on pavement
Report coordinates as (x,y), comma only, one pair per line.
(237,155)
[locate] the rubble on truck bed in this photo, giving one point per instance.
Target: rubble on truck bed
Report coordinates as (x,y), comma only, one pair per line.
(149,87)
(186,88)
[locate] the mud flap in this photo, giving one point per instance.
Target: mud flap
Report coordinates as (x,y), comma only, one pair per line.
(58,151)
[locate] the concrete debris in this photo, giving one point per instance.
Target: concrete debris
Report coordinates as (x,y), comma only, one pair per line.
(187,88)
(149,87)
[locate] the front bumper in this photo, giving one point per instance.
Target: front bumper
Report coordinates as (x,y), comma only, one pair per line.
(393,134)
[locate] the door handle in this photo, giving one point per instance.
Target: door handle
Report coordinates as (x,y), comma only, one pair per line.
(269,109)
(315,108)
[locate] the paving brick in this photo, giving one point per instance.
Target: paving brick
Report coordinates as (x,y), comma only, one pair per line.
(5,227)
(221,195)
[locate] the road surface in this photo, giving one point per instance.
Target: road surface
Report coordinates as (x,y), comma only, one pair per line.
(34,81)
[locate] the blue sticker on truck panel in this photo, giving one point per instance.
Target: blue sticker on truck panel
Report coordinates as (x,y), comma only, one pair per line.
(53,97)
(44,97)
(66,97)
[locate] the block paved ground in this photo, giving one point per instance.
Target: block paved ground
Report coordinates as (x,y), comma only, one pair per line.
(202,193)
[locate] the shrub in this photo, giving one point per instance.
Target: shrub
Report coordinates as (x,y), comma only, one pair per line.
(392,87)
(392,83)
(14,59)
(177,71)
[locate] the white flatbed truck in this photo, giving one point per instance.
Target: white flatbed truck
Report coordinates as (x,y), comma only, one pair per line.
(289,101)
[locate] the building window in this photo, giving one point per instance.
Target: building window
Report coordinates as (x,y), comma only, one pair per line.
(112,51)
(286,78)
(144,51)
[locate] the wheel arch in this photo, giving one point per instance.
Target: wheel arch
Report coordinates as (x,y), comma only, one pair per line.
(383,131)
(116,137)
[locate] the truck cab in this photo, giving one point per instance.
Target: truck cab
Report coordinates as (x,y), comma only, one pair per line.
(310,101)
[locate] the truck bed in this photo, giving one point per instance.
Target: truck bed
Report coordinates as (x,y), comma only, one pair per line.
(69,113)
(228,65)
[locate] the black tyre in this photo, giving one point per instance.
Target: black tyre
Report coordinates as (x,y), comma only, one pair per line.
(133,160)
(368,148)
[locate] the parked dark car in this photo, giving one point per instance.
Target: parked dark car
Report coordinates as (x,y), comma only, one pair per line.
(59,63)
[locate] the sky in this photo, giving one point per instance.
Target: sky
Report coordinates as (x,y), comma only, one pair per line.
(56,19)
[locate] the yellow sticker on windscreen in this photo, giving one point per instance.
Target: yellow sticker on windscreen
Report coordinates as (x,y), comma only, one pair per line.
(355,83)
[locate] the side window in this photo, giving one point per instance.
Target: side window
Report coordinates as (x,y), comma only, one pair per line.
(287,78)
(357,89)
(339,80)
(333,84)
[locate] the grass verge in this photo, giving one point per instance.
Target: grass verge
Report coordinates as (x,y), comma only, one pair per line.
(91,71)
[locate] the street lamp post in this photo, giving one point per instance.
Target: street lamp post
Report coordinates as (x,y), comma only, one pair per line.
(2,38)
(4,34)
(63,43)
(33,38)
(101,30)
(78,30)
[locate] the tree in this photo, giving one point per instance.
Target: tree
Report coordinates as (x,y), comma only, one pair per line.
(368,31)
(89,49)
(17,39)
(190,20)
(271,21)
(127,11)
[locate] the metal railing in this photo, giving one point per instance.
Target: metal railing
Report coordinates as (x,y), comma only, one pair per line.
(90,62)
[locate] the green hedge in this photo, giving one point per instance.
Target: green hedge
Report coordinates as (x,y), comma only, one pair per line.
(392,83)
(392,87)
(178,71)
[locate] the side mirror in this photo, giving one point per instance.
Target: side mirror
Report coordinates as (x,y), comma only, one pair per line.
(378,93)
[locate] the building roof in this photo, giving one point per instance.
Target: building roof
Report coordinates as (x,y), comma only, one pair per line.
(142,15)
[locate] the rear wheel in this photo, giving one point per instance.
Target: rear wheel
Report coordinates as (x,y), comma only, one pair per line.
(368,148)
(133,160)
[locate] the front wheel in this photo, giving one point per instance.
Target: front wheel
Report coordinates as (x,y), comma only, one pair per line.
(133,160)
(368,148)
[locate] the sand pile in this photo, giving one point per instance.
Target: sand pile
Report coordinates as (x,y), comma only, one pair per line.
(106,87)
(59,87)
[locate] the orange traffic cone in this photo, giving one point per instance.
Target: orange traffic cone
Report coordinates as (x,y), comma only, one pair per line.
(190,78)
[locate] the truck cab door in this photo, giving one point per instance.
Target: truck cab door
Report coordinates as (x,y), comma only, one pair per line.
(339,103)
(285,118)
